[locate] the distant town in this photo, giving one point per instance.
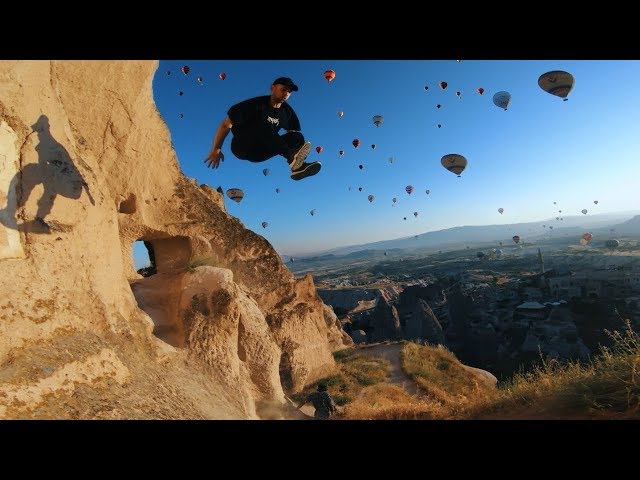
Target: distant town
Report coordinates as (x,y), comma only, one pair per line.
(499,307)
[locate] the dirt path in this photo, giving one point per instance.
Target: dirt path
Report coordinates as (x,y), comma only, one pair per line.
(391,352)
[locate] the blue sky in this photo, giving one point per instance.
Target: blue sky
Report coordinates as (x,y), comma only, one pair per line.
(539,151)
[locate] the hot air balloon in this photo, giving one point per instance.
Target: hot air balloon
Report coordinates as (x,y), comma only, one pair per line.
(586,238)
(557,82)
(438,106)
(329,75)
(265,224)
(341,152)
(391,159)
(500,210)
(551,227)
(370,198)
(199,79)
(312,212)
(266,172)
(584,211)
(443,85)
(340,113)
(454,163)
(516,238)
(373,146)
(277,190)
(168,72)
(235,194)
(356,142)
(595,201)
(185,69)
(405,218)
(359,189)
(480,90)
(361,166)
(427,192)
(439,125)
(409,189)
(394,199)
(502,99)
(222,76)
(318,149)
(415,214)
(180,93)
(458,95)
(612,243)
(377,120)
(554,203)
(181,115)
(426,87)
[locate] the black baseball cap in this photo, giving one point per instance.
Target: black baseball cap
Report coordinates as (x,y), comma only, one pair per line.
(286,81)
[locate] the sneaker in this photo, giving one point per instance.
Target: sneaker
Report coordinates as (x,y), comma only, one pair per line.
(306,170)
(299,156)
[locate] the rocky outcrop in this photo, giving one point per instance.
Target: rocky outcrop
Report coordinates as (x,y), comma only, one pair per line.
(86,169)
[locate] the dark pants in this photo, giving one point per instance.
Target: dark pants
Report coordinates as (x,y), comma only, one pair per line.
(262,145)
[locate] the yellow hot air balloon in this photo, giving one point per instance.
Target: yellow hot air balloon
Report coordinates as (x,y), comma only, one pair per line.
(454,162)
(557,82)
(235,194)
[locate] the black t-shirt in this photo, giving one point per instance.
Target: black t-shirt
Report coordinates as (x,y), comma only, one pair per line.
(256,114)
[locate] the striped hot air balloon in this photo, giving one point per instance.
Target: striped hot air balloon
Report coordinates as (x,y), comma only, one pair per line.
(235,194)
(185,69)
(454,162)
(557,82)
(409,189)
(329,75)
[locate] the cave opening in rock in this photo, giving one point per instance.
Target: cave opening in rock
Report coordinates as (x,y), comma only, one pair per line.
(144,258)
(159,294)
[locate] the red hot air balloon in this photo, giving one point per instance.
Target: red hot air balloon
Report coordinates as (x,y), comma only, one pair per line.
(587,236)
(329,75)
(443,85)
(480,90)
(185,69)
(356,143)
(409,189)
(318,149)
(222,76)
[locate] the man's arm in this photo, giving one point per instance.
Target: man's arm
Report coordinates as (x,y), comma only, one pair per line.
(215,155)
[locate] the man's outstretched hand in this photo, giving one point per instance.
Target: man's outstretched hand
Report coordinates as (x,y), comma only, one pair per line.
(213,159)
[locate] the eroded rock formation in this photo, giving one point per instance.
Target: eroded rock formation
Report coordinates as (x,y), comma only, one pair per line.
(86,169)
